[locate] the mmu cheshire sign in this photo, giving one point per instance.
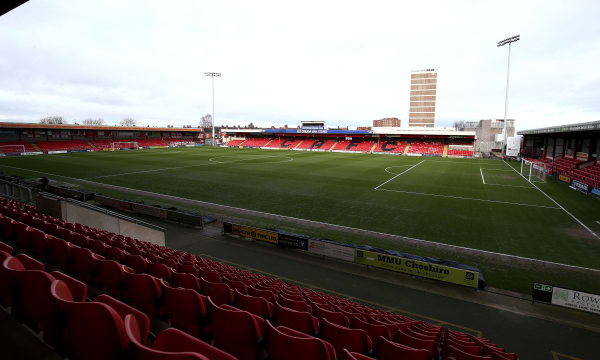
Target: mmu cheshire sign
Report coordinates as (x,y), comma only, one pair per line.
(418,268)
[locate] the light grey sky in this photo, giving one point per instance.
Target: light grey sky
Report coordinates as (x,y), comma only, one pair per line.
(343,62)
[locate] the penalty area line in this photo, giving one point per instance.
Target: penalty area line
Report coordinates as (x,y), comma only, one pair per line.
(482,178)
(554,201)
(405,171)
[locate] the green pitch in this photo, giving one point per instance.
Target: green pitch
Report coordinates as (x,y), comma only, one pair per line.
(475,203)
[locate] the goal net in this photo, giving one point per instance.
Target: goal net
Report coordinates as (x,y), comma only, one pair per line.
(534,171)
(125,145)
(12,149)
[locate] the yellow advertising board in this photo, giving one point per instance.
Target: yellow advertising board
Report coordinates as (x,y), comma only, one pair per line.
(417,268)
(254,233)
(564,179)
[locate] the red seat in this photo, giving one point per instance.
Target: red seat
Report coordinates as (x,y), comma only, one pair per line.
(236,285)
(288,344)
(116,254)
(6,248)
(405,339)
(267,294)
(186,281)
(294,304)
(60,252)
(298,320)
(171,344)
(93,330)
(39,244)
(160,271)
(374,331)
(111,276)
(389,350)
(236,331)
(218,292)
(137,263)
(186,309)
(333,316)
(123,310)
(347,355)
(83,263)
(355,340)
(258,306)
(145,293)
(77,288)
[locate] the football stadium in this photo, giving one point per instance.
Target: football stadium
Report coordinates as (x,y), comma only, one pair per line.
(311,241)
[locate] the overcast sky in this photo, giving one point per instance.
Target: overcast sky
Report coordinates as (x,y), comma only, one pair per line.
(343,62)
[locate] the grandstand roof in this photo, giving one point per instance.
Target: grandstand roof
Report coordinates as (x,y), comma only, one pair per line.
(90,127)
(585,126)
(375,131)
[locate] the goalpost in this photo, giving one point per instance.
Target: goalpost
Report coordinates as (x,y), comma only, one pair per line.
(125,145)
(12,149)
(534,171)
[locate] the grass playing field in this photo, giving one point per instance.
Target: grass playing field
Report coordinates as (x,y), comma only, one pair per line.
(476,203)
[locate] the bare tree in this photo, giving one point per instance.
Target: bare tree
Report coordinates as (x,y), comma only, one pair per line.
(251,126)
(90,121)
(206,121)
(129,122)
(53,120)
(459,124)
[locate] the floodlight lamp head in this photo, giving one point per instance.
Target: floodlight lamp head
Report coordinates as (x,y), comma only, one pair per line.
(509,40)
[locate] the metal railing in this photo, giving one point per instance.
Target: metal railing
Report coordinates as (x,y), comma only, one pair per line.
(104,211)
(21,194)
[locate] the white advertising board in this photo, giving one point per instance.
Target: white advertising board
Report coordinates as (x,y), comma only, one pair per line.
(576,300)
(513,145)
(331,250)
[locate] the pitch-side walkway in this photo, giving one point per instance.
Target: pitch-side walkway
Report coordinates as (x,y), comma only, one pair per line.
(532,331)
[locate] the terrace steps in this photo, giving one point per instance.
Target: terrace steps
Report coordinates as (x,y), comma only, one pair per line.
(445,153)
(37,148)
(407,147)
(298,144)
(92,145)
(373,147)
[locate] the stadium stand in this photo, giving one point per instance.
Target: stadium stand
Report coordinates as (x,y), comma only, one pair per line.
(316,144)
(186,141)
(391,146)
(208,319)
(235,143)
(354,145)
(256,142)
(588,175)
(426,148)
(64,145)
(562,165)
(284,143)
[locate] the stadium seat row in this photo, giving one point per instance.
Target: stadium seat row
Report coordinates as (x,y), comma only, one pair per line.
(245,314)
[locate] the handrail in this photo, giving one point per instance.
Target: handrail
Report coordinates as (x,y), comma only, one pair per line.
(8,190)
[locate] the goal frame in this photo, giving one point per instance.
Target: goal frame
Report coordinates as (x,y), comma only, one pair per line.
(20,151)
(532,170)
(135,147)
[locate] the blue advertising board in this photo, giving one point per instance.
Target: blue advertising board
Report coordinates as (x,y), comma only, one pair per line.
(579,186)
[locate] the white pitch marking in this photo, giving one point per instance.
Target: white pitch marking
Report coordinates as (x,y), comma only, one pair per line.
(407,170)
(516,186)
(389,167)
(598,222)
(473,199)
(482,178)
(488,169)
(554,201)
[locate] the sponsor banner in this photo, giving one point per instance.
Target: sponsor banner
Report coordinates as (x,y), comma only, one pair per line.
(331,250)
(576,300)
(254,233)
(417,268)
(581,156)
(33,153)
(564,179)
(542,292)
(293,241)
(596,191)
(57,152)
(414,154)
(579,186)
